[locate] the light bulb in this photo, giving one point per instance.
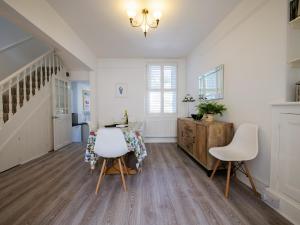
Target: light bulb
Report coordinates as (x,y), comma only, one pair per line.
(131,13)
(157,15)
(131,9)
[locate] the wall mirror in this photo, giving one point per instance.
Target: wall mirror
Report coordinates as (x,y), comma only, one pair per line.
(211,86)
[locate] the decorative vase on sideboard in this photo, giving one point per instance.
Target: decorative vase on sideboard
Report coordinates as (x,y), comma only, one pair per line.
(209,117)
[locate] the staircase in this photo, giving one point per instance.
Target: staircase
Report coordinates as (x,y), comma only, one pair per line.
(20,87)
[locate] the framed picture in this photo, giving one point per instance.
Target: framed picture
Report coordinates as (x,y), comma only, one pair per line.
(86,98)
(121,90)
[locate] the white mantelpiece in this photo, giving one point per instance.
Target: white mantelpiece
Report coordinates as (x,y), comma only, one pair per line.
(284,191)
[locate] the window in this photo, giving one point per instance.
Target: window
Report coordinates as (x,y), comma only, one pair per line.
(161,89)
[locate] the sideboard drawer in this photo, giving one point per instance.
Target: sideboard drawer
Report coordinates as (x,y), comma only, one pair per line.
(189,129)
(189,144)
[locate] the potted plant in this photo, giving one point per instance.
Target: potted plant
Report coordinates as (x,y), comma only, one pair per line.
(209,109)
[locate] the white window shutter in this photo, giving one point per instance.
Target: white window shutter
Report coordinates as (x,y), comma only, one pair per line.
(161,89)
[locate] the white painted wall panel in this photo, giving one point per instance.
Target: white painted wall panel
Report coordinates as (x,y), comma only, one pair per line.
(29,134)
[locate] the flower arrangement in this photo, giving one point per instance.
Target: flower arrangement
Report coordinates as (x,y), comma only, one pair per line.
(188,98)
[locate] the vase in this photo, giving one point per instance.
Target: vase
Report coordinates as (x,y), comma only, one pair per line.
(209,117)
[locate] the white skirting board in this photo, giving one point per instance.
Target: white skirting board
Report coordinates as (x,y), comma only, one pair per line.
(161,140)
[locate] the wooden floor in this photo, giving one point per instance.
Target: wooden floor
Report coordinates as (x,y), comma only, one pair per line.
(172,190)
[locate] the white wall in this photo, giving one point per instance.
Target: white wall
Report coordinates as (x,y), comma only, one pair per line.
(17,48)
(16,57)
(12,33)
(79,75)
(251,43)
(133,73)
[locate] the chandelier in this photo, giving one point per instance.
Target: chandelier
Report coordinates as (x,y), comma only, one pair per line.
(145,21)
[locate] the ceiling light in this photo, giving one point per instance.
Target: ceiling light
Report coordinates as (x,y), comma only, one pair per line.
(146,21)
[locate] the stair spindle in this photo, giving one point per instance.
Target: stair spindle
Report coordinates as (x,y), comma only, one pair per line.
(53,65)
(10,105)
(30,82)
(60,64)
(43,78)
(36,80)
(1,107)
(25,86)
(50,68)
(44,63)
(46,68)
(47,65)
(18,93)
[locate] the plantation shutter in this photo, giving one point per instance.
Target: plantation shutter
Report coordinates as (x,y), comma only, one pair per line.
(162,88)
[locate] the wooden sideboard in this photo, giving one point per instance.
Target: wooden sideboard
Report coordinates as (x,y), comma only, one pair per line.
(197,137)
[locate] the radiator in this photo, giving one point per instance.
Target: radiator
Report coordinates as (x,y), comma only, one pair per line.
(160,127)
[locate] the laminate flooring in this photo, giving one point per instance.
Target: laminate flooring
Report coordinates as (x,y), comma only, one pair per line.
(172,189)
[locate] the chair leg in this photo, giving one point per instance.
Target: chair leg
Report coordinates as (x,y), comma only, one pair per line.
(101,175)
(125,167)
(250,178)
(228,180)
(122,175)
(215,169)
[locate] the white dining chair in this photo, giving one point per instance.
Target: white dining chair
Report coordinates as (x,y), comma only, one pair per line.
(110,144)
(243,147)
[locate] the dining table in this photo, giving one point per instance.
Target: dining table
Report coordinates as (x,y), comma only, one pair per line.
(133,135)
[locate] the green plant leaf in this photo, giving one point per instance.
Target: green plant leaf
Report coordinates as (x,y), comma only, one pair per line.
(208,107)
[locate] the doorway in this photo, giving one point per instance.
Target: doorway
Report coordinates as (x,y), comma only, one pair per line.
(81,110)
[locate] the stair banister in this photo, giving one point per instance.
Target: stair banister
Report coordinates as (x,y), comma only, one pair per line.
(18,93)
(1,108)
(42,73)
(36,79)
(43,66)
(33,77)
(53,70)
(46,70)
(30,82)
(60,64)
(10,102)
(17,73)
(49,66)
(54,62)
(24,88)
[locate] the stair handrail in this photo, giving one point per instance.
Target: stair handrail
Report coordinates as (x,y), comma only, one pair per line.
(40,72)
(19,71)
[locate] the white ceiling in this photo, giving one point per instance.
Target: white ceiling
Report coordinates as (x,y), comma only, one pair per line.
(104,26)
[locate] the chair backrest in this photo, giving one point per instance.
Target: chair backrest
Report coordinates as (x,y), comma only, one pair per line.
(110,143)
(246,139)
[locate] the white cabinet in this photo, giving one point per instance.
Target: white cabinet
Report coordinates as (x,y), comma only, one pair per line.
(76,134)
(284,187)
(289,156)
